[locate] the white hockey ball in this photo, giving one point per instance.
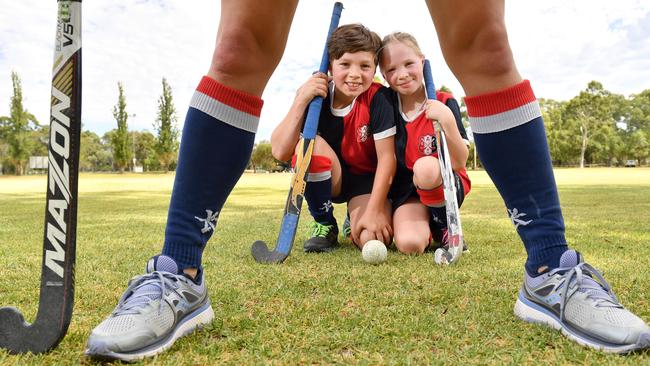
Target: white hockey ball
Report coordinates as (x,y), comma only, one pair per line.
(374,252)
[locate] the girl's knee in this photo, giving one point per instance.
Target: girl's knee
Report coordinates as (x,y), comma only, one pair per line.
(411,244)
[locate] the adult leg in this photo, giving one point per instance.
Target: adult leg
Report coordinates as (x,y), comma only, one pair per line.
(251,38)
(221,122)
(559,288)
(506,122)
(411,227)
(171,299)
(474,43)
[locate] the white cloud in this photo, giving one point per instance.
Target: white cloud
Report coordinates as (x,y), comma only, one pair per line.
(559,45)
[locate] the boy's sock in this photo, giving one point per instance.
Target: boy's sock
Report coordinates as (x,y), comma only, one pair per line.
(511,142)
(216,144)
(318,192)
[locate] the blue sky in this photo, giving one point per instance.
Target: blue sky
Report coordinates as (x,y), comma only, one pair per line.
(559,45)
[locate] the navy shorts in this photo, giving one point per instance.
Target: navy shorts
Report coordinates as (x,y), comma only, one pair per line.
(353,185)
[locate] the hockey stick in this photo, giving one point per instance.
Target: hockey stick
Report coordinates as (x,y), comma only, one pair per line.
(57,270)
(283,246)
(454,229)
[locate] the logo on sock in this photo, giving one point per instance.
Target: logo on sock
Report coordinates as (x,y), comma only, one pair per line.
(327,206)
(210,222)
(515,215)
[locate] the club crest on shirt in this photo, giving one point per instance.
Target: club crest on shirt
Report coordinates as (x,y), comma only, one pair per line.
(427,145)
(362,133)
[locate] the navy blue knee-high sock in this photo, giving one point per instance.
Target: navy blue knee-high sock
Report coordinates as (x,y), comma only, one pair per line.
(318,192)
(511,143)
(216,144)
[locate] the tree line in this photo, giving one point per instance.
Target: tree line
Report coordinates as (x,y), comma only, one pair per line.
(22,136)
(598,127)
(594,128)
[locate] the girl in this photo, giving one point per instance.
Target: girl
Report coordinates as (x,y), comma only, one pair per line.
(417,192)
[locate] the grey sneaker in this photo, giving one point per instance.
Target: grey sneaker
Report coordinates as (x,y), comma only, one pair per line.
(577,300)
(156,309)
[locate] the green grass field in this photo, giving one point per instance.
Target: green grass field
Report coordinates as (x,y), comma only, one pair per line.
(331,308)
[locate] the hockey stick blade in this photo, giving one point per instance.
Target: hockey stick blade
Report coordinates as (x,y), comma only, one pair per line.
(291,211)
(59,241)
(454,230)
(289,225)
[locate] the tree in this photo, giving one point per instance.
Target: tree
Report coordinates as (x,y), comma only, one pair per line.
(40,138)
(563,141)
(639,113)
(593,112)
(15,129)
(261,158)
(94,155)
(165,125)
(120,140)
(636,146)
(145,150)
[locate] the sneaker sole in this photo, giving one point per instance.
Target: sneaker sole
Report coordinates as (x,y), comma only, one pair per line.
(530,312)
(327,250)
(193,321)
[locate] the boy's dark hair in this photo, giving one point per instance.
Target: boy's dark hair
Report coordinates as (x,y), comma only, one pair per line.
(353,38)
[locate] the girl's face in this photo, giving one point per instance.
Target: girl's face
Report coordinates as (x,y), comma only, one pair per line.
(401,66)
(352,74)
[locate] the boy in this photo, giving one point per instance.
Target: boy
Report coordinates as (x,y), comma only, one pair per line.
(354,154)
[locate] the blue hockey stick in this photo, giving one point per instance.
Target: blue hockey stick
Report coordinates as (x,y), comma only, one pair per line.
(283,246)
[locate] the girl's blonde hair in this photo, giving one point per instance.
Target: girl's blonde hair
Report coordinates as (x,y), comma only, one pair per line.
(401,37)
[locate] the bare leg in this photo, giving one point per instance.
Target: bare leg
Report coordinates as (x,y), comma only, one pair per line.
(411,227)
(250,42)
(357,207)
(474,42)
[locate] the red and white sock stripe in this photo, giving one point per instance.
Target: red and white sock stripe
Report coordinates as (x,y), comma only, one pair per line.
(320,168)
(503,109)
(228,105)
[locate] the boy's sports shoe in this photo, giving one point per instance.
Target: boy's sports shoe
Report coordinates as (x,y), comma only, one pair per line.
(156,309)
(577,300)
(323,238)
(347,229)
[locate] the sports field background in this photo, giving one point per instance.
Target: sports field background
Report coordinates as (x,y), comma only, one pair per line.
(331,308)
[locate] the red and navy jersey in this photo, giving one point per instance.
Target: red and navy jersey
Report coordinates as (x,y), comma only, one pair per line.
(416,138)
(351,132)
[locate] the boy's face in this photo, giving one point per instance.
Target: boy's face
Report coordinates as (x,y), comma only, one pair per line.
(402,68)
(352,74)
